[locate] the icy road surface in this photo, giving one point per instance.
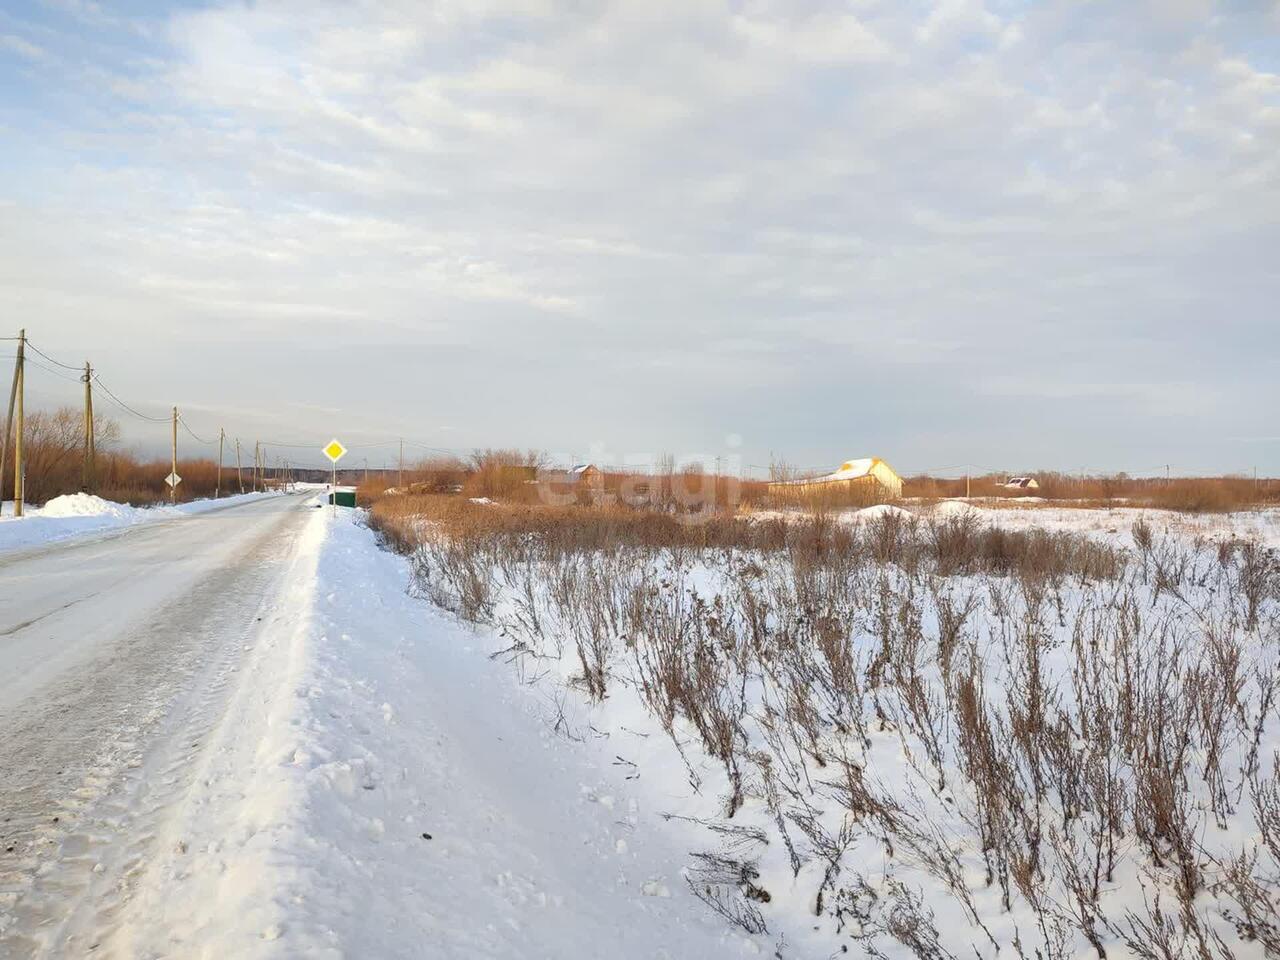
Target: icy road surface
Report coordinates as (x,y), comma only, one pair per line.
(116,656)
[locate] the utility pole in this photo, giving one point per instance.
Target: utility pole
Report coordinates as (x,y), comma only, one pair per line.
(8,422)
(20,385)
(239,475)
(366,470)
(257,463)
(222,437)
(90,453)
(400,483)
(173,487)
(967,487)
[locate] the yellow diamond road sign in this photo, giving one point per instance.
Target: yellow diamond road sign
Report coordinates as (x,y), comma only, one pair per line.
(335,451)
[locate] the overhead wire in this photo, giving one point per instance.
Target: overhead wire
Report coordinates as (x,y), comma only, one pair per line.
(291,446)
(418,444)
(194,436)
(50,370)
(52,360)
(124,406)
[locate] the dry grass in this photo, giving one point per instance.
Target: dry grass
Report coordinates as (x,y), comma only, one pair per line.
(125,479)
(954,546)
(1188,494)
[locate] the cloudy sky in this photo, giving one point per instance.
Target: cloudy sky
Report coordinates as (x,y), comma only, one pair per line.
(1009,235)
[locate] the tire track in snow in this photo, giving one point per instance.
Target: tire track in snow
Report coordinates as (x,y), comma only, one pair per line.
(91,765)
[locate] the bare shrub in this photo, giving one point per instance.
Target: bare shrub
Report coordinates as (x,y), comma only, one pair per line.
(1060,713)
(727,885)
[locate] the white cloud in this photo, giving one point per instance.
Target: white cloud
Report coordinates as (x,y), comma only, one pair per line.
(23,48)
(958,20)
(594,190)
(830,38)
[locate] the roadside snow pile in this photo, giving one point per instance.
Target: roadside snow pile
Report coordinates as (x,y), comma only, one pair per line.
(883,510)
(956,508)
(82,514)
(87,505)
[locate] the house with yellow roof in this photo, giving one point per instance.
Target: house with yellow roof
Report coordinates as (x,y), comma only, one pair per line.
(869,478)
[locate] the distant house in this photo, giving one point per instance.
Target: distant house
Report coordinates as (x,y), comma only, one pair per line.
(1022,483)
(579,475)
(871,478)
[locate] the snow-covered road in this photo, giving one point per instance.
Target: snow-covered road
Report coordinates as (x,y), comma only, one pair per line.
(235,735)
(116,656)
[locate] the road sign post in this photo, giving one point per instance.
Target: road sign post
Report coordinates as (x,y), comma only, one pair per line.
(335,451)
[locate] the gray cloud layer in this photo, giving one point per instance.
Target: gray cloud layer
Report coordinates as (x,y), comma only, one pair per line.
(1000,234)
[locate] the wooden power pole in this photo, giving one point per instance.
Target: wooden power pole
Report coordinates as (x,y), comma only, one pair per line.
(222,438)
(20,382)
(239,474)
(87,479)
(173,487)
(400,483)
(14,394)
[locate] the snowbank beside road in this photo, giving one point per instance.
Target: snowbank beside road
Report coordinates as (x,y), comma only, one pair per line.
(80,514)
(381,788)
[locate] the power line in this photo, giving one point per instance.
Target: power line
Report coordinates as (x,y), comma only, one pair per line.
(424,446)
(291,446)
(194,436)
(50,370)
(124,406)
(51,360)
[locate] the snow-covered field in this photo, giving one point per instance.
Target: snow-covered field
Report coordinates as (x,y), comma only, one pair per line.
(82,514)
(1116,523)
(1036,732)
(1112,524)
